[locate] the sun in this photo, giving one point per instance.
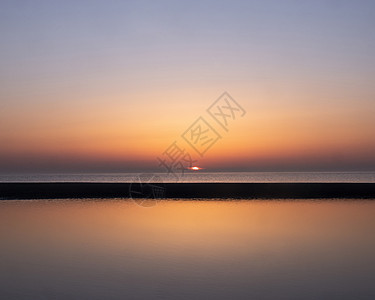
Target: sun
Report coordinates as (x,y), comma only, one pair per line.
(195,168)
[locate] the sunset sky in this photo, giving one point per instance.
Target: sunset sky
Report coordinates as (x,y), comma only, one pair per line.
(108,86)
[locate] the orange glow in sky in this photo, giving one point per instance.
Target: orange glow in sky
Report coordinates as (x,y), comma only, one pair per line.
(114,97)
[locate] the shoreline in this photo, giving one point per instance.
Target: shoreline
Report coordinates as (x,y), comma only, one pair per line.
(82,190)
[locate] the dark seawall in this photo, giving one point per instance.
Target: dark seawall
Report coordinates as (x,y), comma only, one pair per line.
(187,190)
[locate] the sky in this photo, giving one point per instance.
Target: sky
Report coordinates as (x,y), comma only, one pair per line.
(109,86)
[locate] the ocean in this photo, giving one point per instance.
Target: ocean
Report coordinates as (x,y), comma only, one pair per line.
(179,249)
(201,176)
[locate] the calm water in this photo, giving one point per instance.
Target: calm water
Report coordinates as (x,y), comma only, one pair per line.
(115,249)
(203,177)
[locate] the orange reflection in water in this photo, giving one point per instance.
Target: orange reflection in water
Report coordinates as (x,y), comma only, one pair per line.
(198,249)
(187,228)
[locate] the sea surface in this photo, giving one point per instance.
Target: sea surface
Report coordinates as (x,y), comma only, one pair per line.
(199,176)
(248,249)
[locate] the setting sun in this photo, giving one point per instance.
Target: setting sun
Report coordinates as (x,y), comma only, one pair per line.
(195,168)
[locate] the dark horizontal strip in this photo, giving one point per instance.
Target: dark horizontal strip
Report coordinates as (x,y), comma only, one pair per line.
(187,190)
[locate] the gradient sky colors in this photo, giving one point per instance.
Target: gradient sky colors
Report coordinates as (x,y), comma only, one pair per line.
(109,85)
